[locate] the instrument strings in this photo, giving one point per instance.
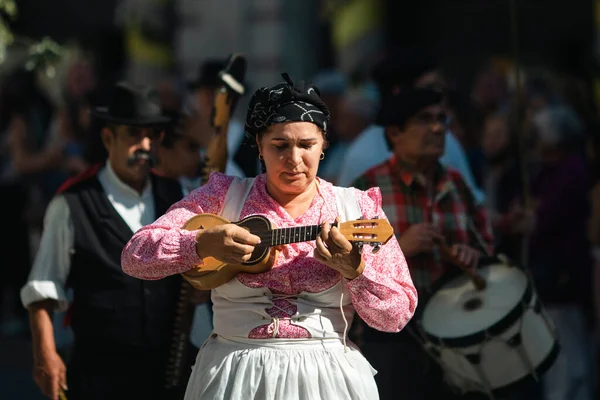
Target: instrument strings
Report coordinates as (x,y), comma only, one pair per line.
(269,234)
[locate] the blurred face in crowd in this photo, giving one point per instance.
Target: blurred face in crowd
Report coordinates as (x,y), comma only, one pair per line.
(80,78)
(496,138)
(169,96)
(182,157)
(423,136)
(291,153)
(130,152)
(489,87)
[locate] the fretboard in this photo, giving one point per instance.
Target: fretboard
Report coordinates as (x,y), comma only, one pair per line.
(294,235)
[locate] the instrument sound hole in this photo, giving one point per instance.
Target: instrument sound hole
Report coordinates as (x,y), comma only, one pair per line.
(473,304)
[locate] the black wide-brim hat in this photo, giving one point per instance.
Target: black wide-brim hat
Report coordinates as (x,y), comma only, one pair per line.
(131,105)
(398,109)
(208,74)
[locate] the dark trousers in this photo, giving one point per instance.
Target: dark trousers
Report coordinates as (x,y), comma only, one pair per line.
(117,372)
(405,371)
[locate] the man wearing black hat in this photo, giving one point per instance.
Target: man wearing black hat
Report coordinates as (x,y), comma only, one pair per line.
(427,204)
(398,71)
(121,325)
(242,157)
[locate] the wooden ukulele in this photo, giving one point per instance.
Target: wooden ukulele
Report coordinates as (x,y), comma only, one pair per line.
(214,273)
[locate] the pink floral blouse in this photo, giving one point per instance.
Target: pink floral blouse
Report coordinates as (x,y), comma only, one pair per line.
(383,296)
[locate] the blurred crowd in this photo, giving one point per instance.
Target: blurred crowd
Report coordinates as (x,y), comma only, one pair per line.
(528,148)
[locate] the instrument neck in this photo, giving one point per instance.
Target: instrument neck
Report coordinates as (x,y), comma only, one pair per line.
(294,234)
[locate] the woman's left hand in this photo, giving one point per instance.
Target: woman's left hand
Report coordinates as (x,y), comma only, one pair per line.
(335,251)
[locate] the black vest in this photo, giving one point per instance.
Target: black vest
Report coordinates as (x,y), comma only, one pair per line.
(110,307)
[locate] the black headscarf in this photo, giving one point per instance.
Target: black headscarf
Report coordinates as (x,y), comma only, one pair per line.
(285,102)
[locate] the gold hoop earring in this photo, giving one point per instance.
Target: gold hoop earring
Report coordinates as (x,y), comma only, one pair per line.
(322,155)
(260,157)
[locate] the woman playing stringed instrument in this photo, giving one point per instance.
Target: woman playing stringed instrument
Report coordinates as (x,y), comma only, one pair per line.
(281,333)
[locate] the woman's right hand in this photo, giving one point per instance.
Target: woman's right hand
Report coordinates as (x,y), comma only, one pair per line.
(50,374)
(227,243)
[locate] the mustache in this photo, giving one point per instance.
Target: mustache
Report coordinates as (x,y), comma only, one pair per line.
(140,155)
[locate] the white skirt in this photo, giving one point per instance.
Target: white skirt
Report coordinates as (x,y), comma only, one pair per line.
(280,369)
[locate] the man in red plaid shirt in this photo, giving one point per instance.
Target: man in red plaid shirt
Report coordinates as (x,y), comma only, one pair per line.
(427,205)
(425,202)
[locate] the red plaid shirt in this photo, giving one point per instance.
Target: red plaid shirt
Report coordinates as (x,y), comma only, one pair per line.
(407,201)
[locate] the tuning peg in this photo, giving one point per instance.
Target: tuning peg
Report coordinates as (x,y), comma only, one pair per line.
(376,217)
(376,247)
(360,246)
(361,217)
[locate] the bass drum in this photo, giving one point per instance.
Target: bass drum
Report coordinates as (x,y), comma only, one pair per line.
(488,340)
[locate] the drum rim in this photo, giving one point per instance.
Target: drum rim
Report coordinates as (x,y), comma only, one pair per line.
(540,370)
(497,328)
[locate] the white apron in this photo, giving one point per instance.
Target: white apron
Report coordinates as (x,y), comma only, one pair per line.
(231,366)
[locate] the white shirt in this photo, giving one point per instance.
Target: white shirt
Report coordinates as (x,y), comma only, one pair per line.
(53,261)
(370,149)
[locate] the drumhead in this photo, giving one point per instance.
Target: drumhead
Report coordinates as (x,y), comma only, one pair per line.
(457,309)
